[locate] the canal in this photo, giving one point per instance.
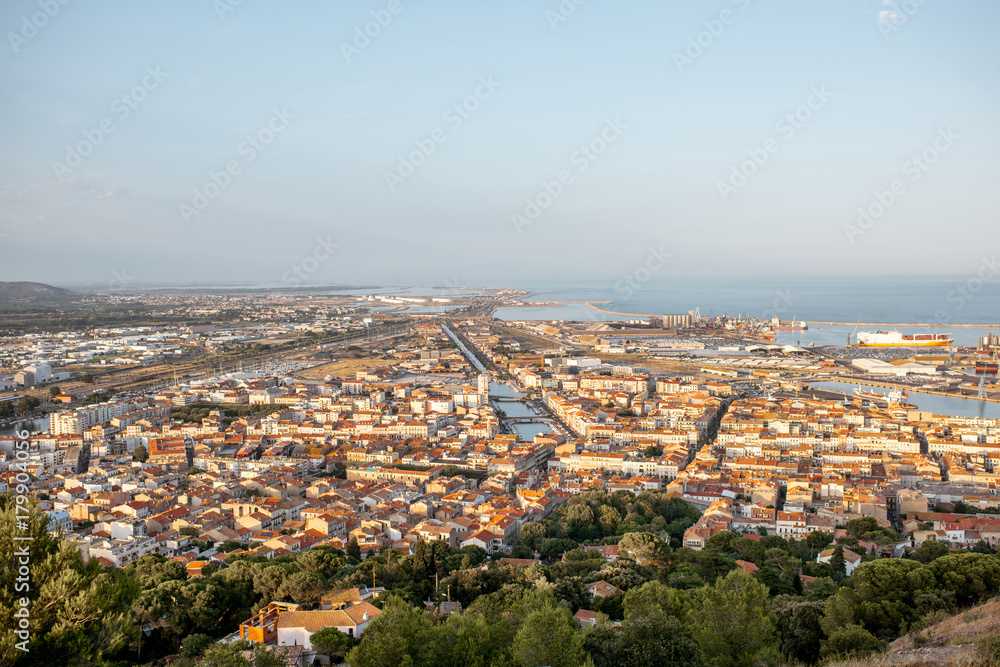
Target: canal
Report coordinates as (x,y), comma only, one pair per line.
(940,405)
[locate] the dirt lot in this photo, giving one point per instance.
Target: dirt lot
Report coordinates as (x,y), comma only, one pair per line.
(343,368)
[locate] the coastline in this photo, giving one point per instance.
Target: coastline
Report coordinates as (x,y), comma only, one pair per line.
(836,324)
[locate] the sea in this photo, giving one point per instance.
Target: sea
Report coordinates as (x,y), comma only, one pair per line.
(872,300)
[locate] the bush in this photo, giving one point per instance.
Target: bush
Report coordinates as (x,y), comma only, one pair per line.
(851,641)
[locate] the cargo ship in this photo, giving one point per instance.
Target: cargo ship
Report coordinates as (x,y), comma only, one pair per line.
(897,339)
(986,366)
(892,398)
(793,326)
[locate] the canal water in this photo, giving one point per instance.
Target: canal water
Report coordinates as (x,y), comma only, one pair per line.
(512,409)
(940,405)
(32,425)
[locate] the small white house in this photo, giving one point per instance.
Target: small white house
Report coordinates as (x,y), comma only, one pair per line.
(851,559)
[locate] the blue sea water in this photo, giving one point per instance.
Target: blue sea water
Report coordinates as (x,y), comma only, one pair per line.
(935,301)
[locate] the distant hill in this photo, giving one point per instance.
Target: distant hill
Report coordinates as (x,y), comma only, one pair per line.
(25,293)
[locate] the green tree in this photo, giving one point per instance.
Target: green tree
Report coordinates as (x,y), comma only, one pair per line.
(643,548)
(657,640)
(609,519)
(79,613)
(225,655)
(54,391)
(548,637)
(332,643)
(268,580)
(553,547)
(973,577)
(140,454)
(654,597)
(401,635)
(194,645)
(882,597)
(837,563)
(819,540)
(531,534)
(87,378)
(324,562)
(930,550)
(303,588)
(851,641)
(151,570)
(735,625)
(856,528)
(353,549)
(799,627)
(982,547)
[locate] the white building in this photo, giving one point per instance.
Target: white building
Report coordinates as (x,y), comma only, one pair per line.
(59,520)
(297,627)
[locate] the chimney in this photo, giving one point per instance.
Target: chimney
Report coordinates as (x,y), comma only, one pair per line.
(364,617)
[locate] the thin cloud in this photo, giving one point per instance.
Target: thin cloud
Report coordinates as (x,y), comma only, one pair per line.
(890,16)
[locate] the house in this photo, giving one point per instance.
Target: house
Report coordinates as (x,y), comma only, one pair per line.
(483,539)
(263,628)
(195,567)
(296,627)
(851,559)
(588,619)
(601,589)
(609,552)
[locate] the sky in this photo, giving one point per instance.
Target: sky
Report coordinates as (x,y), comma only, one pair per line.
(462,143)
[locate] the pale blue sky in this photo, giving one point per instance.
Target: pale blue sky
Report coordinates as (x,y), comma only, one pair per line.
(894,86)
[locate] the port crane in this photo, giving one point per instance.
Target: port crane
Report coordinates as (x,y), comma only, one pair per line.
(851,335)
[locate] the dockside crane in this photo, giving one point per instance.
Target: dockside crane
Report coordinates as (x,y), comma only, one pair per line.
(851,335)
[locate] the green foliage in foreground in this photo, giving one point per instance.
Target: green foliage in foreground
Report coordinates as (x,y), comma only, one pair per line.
(673,606)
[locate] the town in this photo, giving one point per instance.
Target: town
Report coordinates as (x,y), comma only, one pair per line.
(411,430)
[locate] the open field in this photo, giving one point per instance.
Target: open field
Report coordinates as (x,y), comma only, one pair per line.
(530,340)
(343,368)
